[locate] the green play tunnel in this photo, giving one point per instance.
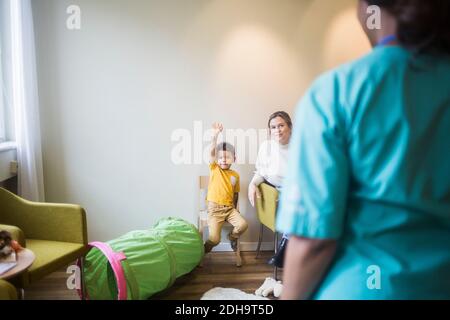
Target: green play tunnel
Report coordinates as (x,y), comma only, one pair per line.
(149,261)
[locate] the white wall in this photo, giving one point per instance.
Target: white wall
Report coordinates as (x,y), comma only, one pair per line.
(113,92)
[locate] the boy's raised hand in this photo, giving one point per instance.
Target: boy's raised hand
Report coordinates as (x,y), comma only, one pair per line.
(217,128)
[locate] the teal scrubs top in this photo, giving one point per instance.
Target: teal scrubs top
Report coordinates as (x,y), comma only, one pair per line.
(369,166)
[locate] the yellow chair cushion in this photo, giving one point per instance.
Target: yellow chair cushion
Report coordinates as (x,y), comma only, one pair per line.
(51,256)
(266,206)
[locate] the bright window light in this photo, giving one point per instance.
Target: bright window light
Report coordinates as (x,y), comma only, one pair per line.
(18,81)
(3,117)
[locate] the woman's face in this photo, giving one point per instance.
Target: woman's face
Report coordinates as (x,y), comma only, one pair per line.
(280,131)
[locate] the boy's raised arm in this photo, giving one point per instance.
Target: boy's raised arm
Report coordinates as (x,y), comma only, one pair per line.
(217,129)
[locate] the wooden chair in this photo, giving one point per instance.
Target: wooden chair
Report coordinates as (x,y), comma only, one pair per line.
(266,209)
(203,215)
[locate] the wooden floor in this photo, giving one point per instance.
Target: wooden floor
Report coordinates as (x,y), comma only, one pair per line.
(218,270)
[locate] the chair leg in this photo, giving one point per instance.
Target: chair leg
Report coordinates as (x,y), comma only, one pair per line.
(258,249)
(275,242)
(238,254)
(21,293)
(200,227)
(275,269)
(82,284)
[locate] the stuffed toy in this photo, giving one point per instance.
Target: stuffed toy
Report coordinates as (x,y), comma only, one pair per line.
(277,289)
(16,246)
(7,244)
(269,286)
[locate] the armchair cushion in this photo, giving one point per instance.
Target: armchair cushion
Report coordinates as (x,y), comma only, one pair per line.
(7,291)
(51,256)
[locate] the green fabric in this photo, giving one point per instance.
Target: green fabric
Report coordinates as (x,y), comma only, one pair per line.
(266,206)
(51,256)
(132,283)
(7,291)
(155,259)
(56,233)
(45,221)
(369,166)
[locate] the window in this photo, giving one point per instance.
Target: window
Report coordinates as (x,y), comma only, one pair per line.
(2,102)
(6,110)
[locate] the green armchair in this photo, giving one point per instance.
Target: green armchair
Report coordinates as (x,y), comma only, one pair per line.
(7,291)
(266,210)
(56,233)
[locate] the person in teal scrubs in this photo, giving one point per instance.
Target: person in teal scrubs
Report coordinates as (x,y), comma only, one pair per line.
(366,198)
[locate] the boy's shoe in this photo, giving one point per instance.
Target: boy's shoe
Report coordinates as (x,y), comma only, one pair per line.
(207,247)
(233,242)
(234,246)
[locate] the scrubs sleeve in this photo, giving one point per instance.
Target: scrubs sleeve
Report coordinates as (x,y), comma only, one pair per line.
(314,195)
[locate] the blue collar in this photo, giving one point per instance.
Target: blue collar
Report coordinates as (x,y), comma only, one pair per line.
(387,40)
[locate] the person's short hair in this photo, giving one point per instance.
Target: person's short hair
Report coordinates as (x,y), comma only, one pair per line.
(225,146)
(423,25)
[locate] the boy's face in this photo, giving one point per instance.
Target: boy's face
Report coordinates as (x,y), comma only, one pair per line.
(225,159)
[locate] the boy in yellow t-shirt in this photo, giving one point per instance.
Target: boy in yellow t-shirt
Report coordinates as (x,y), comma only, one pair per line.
(223,192)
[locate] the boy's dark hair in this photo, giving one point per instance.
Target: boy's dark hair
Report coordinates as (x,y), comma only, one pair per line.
(225,146)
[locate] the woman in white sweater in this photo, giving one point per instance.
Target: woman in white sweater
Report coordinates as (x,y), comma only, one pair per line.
(271,166)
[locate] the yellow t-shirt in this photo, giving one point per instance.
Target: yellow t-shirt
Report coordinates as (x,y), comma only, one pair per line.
(223,184)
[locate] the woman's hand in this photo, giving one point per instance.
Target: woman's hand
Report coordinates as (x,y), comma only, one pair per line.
(253,193)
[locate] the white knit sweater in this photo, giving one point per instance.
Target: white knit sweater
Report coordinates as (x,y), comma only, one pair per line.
(271,163)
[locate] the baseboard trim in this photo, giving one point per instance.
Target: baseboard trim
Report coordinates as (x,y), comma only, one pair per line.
(245,246)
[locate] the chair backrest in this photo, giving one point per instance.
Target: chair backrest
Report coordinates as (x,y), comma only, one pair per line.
(266,206)
(203,192)
(10,205)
